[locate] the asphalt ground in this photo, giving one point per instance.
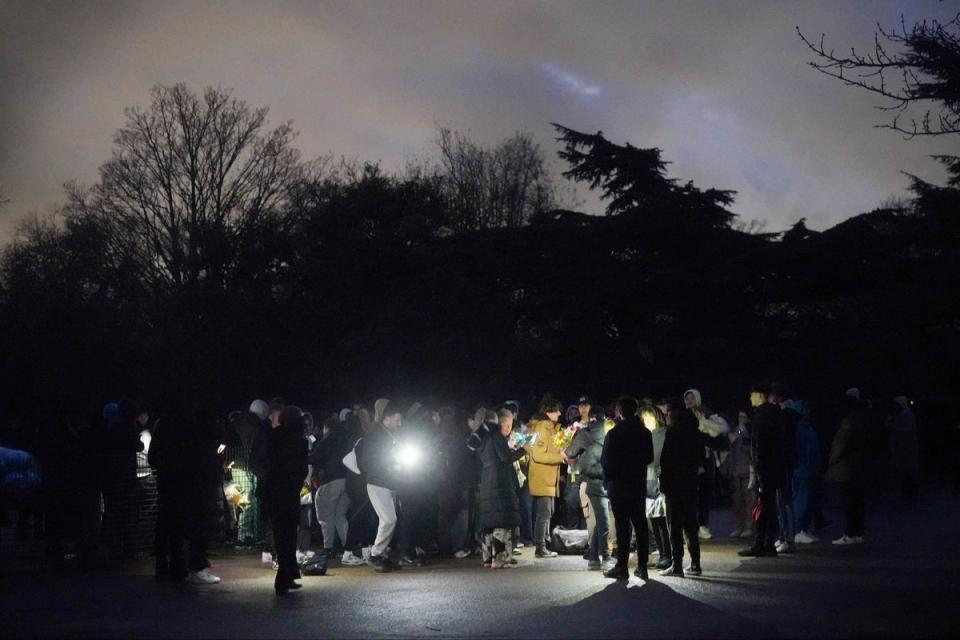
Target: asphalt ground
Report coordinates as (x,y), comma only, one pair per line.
(902,583)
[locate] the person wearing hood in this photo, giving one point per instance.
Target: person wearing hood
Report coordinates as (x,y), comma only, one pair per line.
(711,426)
(805,472)
(544,476)
(281,493)
(586,452)
(627,450)
(904,446)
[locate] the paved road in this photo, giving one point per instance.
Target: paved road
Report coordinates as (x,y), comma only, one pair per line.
(902,584)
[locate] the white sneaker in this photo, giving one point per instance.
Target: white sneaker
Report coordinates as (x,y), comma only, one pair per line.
(350,560)
(704,533)
(519,545)
(845,539)
(785,547)
(202,577)
(805,538)
(266,557)
(463,553)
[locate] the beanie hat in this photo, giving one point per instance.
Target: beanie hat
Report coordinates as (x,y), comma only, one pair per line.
(260,408)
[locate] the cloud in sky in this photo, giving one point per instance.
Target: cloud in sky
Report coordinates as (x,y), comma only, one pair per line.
(723,88)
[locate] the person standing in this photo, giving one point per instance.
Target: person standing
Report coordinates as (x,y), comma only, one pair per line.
(544,476)
(737,465)
(331,500)
(586,451)
(499,506)
(281,494)
(805,473)
(711,426)
(656,503)
(846,468)
(767,454)
(904,446)
(627,450)
(679,465)
(379,453)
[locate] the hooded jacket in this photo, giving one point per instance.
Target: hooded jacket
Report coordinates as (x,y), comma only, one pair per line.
(545,458)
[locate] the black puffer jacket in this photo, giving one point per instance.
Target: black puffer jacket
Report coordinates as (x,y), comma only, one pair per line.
(587,450)
(499,507)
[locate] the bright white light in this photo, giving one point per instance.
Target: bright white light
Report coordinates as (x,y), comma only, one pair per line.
(145,438)
(408,456)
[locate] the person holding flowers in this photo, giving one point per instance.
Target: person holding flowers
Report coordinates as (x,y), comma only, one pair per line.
(544,474)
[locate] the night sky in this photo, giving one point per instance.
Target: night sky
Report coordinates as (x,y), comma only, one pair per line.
(722,87)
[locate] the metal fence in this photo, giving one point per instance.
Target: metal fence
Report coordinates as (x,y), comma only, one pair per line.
(93,521)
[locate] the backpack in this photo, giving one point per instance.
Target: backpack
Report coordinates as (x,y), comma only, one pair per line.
(315,566)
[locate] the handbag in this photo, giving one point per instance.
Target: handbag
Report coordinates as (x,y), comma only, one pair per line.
(350,460)
(758,511)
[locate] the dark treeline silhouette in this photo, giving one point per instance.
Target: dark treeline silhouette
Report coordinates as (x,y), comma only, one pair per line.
(211,261)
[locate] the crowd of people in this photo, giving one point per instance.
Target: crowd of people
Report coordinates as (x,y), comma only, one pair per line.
(397,484)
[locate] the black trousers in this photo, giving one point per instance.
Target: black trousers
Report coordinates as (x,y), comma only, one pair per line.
(682,517)
(631,510)
(285,518)
(767,526)
(661,535)
(852,498)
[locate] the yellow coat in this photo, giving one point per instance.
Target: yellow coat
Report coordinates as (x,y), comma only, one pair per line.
(545,459)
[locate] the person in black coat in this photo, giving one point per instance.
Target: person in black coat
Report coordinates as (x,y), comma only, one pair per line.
(768,455)
(627,450)
(499,505)
(281,493)
(680,460)
(184,453)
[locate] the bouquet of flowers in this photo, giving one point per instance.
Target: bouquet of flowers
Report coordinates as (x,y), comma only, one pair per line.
(563,438)
(521,439)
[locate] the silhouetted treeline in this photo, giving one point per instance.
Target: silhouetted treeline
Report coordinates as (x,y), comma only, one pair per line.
(353,283)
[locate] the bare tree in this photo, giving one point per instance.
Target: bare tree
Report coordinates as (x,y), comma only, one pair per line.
(189,176)
(499,187)
(911,66)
